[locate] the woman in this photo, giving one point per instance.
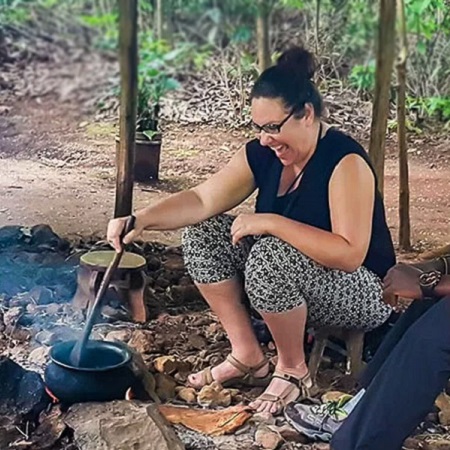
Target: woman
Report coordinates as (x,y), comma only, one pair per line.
(316,247)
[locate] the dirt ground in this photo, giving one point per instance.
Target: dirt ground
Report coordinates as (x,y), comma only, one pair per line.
(58,168)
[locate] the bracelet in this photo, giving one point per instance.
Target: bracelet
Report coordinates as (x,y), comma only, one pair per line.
(445,260)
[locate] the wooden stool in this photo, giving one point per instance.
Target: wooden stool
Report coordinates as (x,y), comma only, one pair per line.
(128,281)
(354,342)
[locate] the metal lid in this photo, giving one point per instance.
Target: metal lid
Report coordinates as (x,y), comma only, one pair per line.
(103,258)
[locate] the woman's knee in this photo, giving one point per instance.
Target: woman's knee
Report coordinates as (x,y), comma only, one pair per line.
(269,279)
(208,231)
(207,250)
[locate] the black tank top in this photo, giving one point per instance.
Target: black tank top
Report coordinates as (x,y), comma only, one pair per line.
(309,203)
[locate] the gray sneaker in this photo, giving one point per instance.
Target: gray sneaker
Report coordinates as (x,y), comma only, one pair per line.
(320,421)
(314,421)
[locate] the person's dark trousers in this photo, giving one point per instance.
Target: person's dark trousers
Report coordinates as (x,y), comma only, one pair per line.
(417,309)
(403,390)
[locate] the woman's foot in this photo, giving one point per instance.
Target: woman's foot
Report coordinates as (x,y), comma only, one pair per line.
(283,389)
(230,369)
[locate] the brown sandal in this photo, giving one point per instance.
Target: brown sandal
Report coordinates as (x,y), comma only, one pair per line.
(304,385)
(247,378)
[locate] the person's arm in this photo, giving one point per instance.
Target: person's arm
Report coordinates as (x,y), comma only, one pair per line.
(351,197)
(443,288)
(403,280)
(441,264)
(221,192)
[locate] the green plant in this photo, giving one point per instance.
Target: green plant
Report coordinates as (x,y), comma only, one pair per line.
(107,25)
(439,107)
(362,77)
(430,107)
(14,11)
(154,81)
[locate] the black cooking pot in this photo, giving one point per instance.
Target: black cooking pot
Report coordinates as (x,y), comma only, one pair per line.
(105,375)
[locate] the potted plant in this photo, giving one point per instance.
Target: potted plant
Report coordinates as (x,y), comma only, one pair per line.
(154,81)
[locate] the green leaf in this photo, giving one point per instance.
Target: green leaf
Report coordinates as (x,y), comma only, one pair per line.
(150,134)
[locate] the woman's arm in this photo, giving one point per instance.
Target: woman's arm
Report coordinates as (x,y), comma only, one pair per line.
(221,192)
(443,288)
(351,197)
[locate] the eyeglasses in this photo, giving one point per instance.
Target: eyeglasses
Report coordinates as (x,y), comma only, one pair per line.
(272,128)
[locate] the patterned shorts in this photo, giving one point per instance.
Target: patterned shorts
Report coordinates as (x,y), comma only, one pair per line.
(279,278)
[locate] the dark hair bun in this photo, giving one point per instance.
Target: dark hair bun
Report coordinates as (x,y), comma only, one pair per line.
(298,60)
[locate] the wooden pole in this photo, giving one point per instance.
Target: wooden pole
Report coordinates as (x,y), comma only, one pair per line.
(380,111)
(128,58)
(262,35)
(317,26)
(404,235)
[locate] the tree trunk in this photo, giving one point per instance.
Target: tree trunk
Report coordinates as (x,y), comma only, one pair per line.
(317,26)
(3,47)
(380,111)
(163,20)
(262,35)
(404,235)
(128,59)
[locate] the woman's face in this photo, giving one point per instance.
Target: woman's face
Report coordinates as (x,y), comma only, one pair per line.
(280,130)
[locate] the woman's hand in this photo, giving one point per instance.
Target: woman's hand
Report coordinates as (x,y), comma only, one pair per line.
(402,280)
(250,225)
(116,228)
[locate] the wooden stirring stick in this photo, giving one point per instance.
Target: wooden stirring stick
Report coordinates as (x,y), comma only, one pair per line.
(77,353)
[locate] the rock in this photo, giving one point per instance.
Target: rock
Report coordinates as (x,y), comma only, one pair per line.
(165,387)
(185,281)
(43,235)
(436,444)
(170,364)
(236,395)
(111,313)
(41,295)
(187,394)
(44,337)
(267,438)
(10,235)
(19,334)
(197,342)
(12,316)
(263,417)
(119,336)
(50,429)
(145,386)
(165,364)
(412,443)
(19,300)
(39,356)
(63,333)
(443,403)
(332,396)
(289,434)
(22,391)
(186,294)
(321,446)
(214,395)
(162,282)
(174,263)
(153,263)
(120,425)
(142,341)
(8,431)
(53,308)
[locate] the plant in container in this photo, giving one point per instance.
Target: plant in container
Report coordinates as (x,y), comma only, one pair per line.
(154,81)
